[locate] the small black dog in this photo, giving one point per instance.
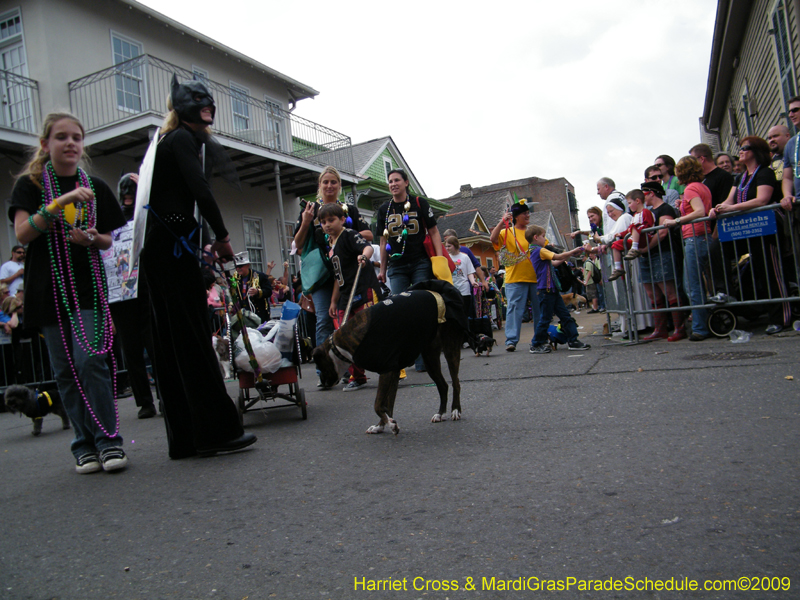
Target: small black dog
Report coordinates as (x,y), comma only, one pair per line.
(36,405)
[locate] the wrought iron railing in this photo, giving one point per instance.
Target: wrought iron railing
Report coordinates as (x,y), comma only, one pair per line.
(21,108)
(140,86)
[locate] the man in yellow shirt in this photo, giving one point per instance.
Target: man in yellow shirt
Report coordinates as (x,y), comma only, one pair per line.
(508,238)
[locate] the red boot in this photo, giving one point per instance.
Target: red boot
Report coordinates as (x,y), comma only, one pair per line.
(679,319)
(661,332)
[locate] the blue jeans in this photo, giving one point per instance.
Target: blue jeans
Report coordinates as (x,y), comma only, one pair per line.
(551,303)
(95,380)
(517,294)
(322,302)
(696,257)
(402,277)
(601,297)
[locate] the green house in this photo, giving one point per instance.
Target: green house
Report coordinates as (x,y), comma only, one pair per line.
(372,162)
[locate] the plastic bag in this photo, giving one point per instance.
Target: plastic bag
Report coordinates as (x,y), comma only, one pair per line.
(267,355)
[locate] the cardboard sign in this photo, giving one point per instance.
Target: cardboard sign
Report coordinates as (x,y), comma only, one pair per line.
(757,224)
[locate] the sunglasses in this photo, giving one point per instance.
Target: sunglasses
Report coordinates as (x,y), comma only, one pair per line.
(654,177)
(659,165)
(793,110)
(745,148)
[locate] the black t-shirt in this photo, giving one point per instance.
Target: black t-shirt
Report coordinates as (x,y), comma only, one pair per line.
(357,223)
(762,176)
(39,297)
(719,182)
(345,265)
(179,181)
(669,211)
(420,219)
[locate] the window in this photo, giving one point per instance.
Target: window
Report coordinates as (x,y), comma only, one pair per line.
(489,263)
(129,79)
(387,166)
(240,105)
(275,124)
(254,241)
(200,74)
(294,260)
(17,111)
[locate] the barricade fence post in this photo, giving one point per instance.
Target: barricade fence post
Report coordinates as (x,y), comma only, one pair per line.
(737,266)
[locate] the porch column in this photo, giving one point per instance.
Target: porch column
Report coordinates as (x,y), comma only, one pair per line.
(282,240)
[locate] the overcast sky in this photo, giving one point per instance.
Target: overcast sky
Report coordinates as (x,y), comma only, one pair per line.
(470,94)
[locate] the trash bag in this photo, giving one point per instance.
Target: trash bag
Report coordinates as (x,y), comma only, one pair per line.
(267,355)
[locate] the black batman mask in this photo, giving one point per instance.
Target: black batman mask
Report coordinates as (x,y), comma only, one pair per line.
(189,98)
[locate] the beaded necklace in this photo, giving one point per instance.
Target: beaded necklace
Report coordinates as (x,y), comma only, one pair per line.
(797,156)
(742,189)
(348,221)
(67,302)
(403,235)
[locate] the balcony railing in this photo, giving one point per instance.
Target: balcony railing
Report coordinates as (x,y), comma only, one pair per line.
(21,109)
(141,85)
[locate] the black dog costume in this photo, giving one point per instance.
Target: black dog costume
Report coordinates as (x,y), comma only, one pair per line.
(36,405)
(427,319)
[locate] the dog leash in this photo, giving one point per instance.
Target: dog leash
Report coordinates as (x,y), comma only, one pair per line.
(237,303)
(352,295)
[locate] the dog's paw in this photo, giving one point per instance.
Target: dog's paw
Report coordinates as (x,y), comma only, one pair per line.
(437,418)
(374,429)
(455,415)
(394,426)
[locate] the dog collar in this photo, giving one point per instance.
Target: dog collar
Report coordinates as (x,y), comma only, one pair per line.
(339,354)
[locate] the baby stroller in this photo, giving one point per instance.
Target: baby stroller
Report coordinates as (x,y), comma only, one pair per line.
(748,285)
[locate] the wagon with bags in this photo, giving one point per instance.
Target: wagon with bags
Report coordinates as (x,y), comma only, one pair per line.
(276,349)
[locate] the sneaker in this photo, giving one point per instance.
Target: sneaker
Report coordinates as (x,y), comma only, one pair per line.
(511,347)
(592,311)
(720,298)
(322,385)
(402,374)
(345,380)
(541,349)
(87,463)
(632,254)
(147,412)
(113,459)
(354,385)
(616,274)
(578,345)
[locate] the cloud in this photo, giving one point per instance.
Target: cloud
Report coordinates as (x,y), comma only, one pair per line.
(480,93)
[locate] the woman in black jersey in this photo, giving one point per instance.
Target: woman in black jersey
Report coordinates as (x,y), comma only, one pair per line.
(65,217)
(199,415)
(757,187)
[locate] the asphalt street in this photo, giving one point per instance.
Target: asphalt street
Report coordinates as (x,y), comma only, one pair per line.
(626,466)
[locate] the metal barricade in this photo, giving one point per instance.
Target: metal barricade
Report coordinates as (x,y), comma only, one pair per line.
(743,265)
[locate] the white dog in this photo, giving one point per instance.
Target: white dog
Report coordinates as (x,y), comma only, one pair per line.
(222,346)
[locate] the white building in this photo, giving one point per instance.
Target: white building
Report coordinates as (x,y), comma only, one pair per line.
(110,62)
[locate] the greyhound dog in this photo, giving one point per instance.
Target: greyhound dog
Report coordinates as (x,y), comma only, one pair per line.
(388,336)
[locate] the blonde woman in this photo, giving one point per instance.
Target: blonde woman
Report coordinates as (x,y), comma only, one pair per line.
(329,192)
(199,415)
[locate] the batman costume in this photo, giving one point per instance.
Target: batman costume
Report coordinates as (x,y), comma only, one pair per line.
(199,415)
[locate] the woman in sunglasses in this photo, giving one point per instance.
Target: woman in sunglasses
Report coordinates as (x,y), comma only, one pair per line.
(757,187)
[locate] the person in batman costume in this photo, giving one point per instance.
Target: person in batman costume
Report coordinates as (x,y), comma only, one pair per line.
(200,417)
(132,318)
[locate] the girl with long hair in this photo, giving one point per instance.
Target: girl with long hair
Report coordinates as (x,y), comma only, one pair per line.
(65,217)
